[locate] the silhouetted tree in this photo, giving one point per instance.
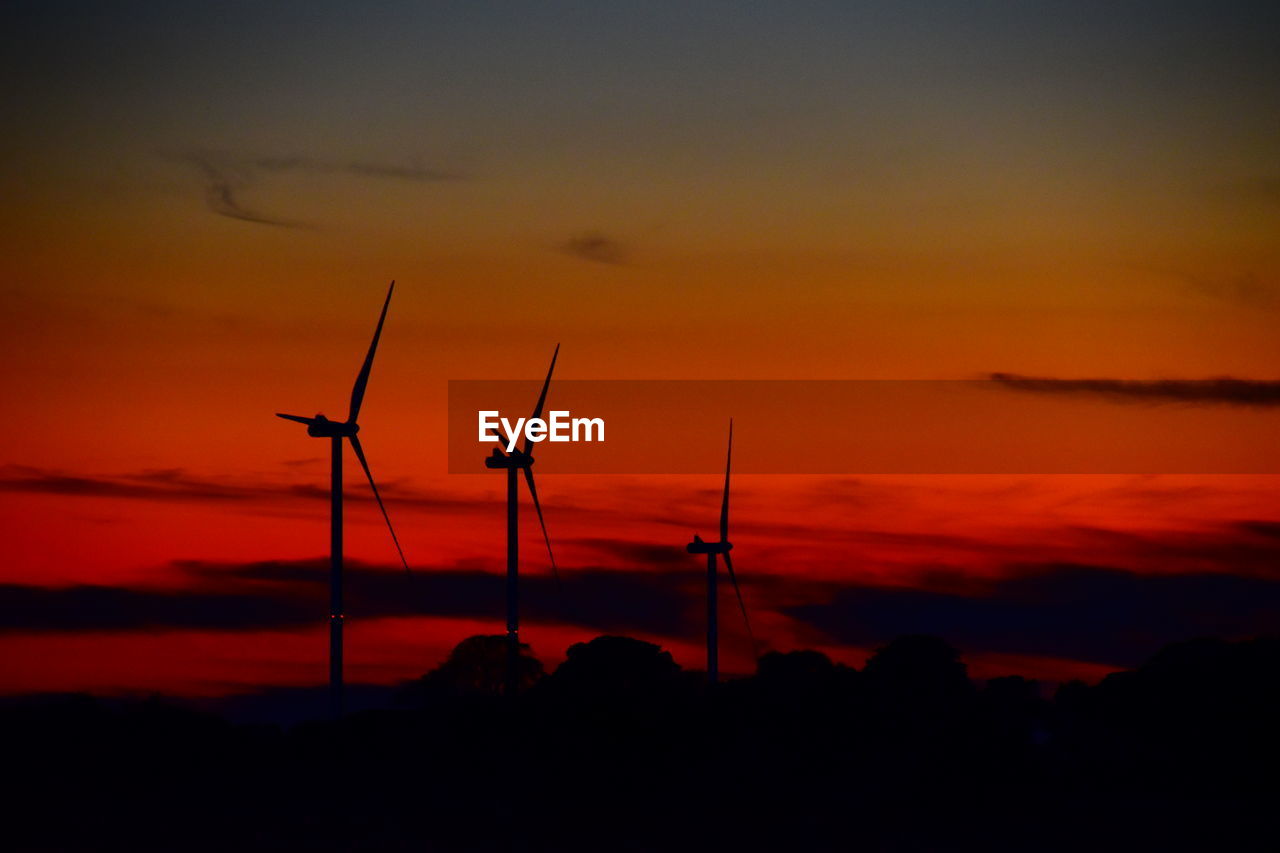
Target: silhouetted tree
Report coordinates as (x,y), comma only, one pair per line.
(920,699)
(794,668)
(614,667)
(621,749)
(477,666)
(1014,720)
(1195,709)
(804,679)
(802,671)
(918,670)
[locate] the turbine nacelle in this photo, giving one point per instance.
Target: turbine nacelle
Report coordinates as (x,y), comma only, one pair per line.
(700,546)
(514,459)
(322,427)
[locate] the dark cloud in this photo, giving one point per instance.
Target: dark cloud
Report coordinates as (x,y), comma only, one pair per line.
(1052,598)
(170,484)
(596,247)
(102,608)
(1225,391)
(286,594)
(1077,612)
(177,484)
(592,596)
(1267,529)
(1242,548)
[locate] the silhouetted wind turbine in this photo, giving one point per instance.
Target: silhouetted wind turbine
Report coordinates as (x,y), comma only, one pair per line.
(322,427)
(724,546)
(520,459)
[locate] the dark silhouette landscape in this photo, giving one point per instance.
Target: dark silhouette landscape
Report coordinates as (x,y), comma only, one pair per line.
(619,748)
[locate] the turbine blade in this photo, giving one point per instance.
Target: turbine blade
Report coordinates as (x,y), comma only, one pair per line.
(299,418)
(355,445)
(728,564)
(533,493)
(362,379)
(542,398)
(724,504)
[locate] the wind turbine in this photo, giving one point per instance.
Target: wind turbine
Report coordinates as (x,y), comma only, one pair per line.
(520,459)
(335,431)
(711,549)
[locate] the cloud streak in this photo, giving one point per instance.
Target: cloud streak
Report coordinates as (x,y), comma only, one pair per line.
(1224,391)
(1078,612)
(222,196)
(226,178)
(414,173)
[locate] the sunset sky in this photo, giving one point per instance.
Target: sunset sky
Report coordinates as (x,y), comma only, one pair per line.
(201,205)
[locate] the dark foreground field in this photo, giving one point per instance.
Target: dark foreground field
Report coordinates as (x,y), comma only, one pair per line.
(620,750)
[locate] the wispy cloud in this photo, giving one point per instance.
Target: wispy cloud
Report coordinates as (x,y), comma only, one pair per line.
(1225,391)
(595,247)
(226,178)
(222,188)
(414,172)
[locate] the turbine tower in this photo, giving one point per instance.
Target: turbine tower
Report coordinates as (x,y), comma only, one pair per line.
(335,431)
(520,459)
(711,549)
